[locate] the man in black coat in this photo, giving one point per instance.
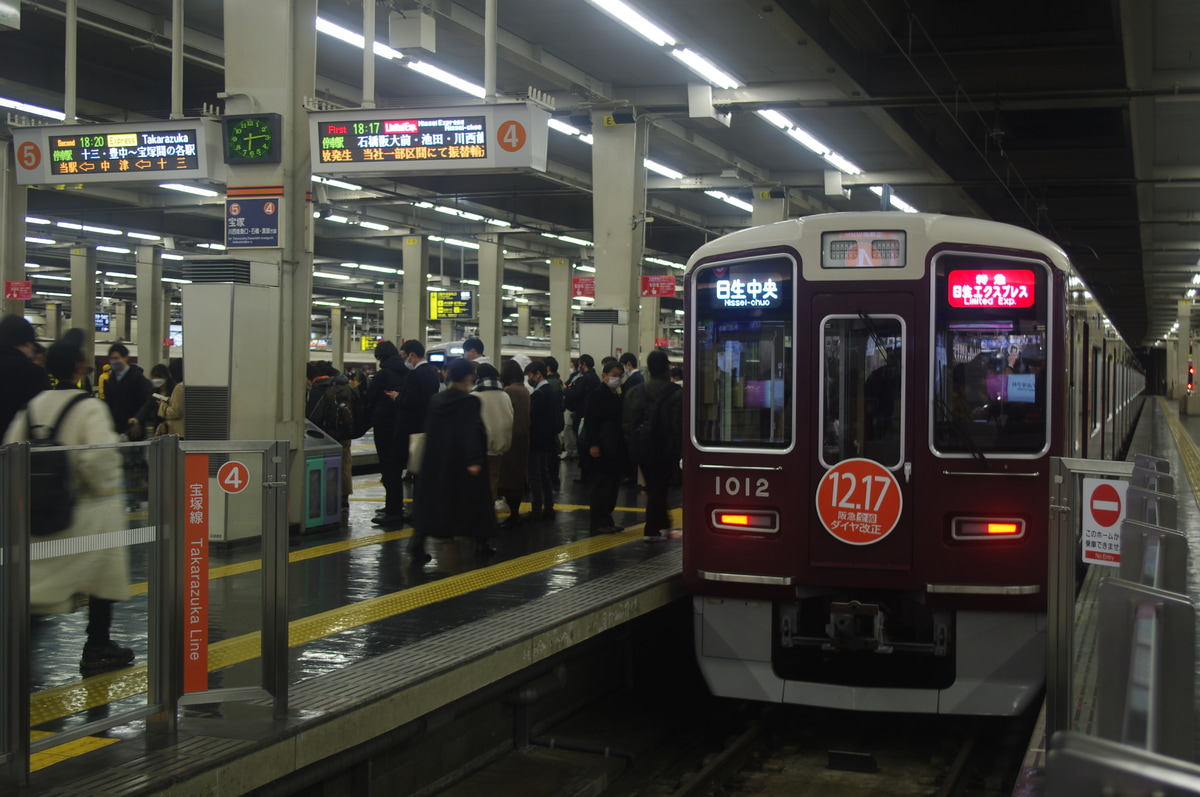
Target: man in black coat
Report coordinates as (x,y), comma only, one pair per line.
(388,379)
(545,422)
(606,448)
(127,390)
(453,497)
(658,456)
(633,378)
(23,379)
(412,401)
(575,400)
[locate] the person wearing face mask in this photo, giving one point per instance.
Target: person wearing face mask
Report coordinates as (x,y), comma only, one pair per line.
(545,422)
(606,448)
(412,402)
(148,416)
(126,391)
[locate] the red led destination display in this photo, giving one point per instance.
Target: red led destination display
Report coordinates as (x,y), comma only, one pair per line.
(443,138)
(991,288)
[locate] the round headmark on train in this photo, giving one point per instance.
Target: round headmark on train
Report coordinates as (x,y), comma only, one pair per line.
(859,501)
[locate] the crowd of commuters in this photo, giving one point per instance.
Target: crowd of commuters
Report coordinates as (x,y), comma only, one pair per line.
(465,438)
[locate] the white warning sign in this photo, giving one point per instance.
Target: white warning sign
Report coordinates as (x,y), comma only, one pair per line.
(1103,509)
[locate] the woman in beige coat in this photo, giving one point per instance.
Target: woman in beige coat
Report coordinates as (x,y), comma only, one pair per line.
(171,411)
(101,570)
(497,412)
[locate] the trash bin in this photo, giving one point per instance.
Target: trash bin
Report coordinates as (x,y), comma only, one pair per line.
(322,478)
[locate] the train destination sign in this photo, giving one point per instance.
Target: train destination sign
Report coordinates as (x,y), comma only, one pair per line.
(1006,288)
(126,152)
(471,137)
(445,305)
(437,139)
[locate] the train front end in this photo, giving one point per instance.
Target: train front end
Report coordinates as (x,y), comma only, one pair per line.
(872,402)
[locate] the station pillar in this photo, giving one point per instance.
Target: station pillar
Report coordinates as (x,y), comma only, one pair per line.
(83,297)
(337,339)
(768,209)
(491,301)
(618,199)
(560,312)
(523,320)
(120,330)
(415,317)
(391,313)
(650,326)
(152,315)
(270,67)
(53,328)
(12,226)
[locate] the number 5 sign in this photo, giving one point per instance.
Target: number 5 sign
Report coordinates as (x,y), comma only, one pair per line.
(859,501)
(233,477)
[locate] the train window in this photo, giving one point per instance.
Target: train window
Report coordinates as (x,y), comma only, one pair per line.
(742,354)
(990,351)
(862,389)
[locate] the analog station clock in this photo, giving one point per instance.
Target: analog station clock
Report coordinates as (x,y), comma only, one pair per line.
(252,138)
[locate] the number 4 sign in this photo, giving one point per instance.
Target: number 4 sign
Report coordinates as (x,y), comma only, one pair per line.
(233,477)
(859,501)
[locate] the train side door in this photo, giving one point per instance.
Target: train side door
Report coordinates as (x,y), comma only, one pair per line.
(863,379)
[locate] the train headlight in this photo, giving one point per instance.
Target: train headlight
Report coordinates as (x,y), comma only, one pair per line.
(978,528)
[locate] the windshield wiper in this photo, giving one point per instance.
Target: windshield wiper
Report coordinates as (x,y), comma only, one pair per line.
(873,331)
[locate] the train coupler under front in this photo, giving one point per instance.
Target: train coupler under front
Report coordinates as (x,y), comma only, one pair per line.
(895,623)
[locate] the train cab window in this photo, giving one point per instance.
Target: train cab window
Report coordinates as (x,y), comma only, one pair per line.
(990,351)
(862,389)
(742,355)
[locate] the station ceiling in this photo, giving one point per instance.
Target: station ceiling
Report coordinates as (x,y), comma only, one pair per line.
(1072,118)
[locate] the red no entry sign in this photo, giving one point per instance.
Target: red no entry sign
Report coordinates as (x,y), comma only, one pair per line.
(1106,505)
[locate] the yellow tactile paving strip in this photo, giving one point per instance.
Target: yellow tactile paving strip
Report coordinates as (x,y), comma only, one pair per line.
(1189,455)
(340,547)
(63,752)
(98,690)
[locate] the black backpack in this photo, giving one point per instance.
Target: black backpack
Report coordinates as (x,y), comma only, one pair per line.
(51,493)
(647,444)
(334,415)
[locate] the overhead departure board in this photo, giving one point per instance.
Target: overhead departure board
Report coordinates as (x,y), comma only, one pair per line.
(391,141)
(137,151)
(404,139)
(445,305)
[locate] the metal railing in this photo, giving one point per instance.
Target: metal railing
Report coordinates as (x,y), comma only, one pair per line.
(148,484)
(1146,656)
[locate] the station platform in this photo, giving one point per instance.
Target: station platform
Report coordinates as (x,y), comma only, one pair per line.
(378,645)
(1161,432)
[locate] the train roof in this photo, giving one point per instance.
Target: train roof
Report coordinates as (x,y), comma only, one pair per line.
(933,228)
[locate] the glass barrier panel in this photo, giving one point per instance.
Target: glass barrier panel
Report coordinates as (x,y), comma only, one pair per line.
(91,585)
(6,710)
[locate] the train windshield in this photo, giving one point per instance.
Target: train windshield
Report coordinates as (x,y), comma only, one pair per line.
(862,396)
(990,355)
(742,354)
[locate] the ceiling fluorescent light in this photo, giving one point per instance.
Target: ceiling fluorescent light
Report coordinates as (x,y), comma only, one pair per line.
(806,139)
(732,200)
(498,222)
(120,274)
(36,110)
(189,189)
(69,225)
(30,239)
(173,279)
(371,225)
(589,269)
(327,304)
(586,138)
(55,277)
(336,183)
(429,70)
(120,250)
(706,69)
(338,32)
(330,276)
(463,244)
(576,241)
(665,171)
(52,293)
(896,202)
(383,51)
(469,282)
(36,220)
(563,127)
(101,230)
(172,257)
(838,162)
(220,247)
(380,269)
(775,118)
(141,236)
(631,19)
(335,218)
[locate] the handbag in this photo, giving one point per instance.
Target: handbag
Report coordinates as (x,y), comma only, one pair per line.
(416,451)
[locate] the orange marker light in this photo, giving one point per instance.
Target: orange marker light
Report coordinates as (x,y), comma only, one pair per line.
(1003,528)
(735,520)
